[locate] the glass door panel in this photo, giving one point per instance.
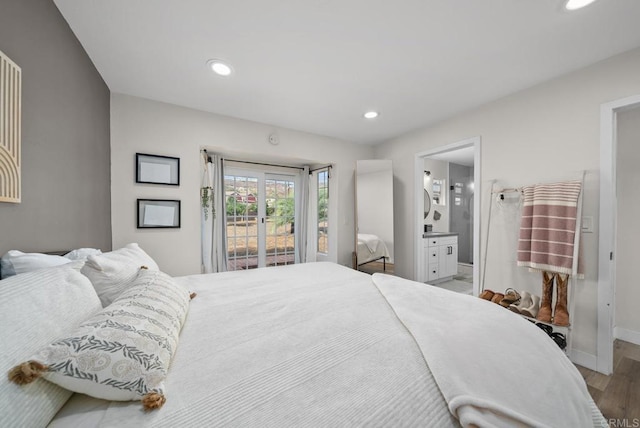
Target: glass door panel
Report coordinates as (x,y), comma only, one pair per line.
(241,196)
(280,220)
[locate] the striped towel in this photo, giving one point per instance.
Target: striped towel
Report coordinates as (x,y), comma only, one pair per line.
(548,228)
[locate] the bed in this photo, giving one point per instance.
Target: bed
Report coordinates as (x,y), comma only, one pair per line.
(371,248)
(319,344)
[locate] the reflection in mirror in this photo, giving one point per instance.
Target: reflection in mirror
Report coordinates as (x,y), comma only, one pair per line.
(427,203)
(438,191)
(427,199)
(374,216)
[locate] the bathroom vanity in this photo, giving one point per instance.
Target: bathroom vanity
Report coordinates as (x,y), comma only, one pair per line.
(441,256)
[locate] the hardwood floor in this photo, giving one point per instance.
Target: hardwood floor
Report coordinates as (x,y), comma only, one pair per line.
(618,395)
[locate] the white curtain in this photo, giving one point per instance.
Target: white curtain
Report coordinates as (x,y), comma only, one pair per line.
(213,215)
(206,212)
(302,220)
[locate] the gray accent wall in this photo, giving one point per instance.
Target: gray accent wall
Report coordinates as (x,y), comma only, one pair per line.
(65,135)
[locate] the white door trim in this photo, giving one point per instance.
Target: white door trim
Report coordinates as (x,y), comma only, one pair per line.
(476,143)
(607,226)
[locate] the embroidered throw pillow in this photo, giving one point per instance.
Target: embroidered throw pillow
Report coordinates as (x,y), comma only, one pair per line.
(113,272)
(123,352)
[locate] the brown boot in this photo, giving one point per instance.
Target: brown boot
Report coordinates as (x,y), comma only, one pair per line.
(487,295)
(544,313)
(561,314)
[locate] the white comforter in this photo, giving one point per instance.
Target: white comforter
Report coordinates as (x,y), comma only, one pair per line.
(311,345)
(319,345)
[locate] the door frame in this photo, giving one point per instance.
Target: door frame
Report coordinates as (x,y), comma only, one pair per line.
(607,226)
(476,143)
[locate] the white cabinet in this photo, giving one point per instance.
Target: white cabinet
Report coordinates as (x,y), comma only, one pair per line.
(441,254)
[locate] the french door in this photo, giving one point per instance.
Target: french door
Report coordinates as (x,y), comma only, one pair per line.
(261,214)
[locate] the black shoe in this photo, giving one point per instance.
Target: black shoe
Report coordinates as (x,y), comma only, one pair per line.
(560,340)
(547,328)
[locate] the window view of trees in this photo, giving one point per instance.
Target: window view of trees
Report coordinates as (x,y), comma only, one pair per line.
(323,211)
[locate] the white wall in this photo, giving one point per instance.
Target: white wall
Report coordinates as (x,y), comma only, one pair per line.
(439,171)
(627,315)
(546,133)
(140,125)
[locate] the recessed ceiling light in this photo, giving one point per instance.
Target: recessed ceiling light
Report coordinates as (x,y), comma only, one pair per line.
(371,114)
(577,4)
(219,67)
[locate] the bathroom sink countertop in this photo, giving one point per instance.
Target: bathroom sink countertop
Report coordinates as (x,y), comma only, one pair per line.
(438,234)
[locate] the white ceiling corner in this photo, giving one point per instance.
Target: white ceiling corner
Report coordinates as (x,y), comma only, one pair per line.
(318,65)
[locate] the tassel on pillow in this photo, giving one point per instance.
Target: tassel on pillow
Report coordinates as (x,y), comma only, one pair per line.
(153,401)
(25,373)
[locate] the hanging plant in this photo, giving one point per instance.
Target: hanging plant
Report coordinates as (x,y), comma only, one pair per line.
(206,200)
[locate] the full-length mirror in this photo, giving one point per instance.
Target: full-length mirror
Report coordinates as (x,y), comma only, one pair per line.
(374,216)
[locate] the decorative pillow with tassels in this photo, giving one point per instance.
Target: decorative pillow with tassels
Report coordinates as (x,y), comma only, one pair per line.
(123,352)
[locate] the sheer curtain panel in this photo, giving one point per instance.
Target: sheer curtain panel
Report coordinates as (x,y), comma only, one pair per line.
(213,213)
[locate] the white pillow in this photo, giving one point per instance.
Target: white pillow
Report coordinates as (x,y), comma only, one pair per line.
(36,308)
(82,253)
(16,262)
(123,352)
(112,273)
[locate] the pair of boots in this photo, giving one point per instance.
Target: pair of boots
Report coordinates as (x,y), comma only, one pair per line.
(560,314)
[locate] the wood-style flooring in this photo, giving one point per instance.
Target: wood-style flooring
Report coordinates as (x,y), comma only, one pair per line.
(618,395)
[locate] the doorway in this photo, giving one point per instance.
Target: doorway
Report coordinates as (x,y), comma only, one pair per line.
(447,212)
(260,218)
(614,205)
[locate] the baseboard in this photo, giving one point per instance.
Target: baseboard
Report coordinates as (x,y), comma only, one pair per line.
(583,359)
(627,335)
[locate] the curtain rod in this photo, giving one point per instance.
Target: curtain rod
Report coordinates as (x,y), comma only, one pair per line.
(265,164)
(321,167)
(329,166)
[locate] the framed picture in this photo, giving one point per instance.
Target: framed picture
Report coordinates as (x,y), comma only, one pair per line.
(158,213)
(154,169)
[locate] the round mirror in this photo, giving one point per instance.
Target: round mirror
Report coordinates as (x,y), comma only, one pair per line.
(427,203)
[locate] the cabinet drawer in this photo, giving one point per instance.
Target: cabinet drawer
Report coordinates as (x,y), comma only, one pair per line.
(448,240)
(433,273)
(433,242)
(433,253)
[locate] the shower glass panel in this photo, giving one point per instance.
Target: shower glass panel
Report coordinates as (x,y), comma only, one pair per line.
(461,209)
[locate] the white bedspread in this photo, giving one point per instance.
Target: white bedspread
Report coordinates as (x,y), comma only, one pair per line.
(319,345)
(312,345)
(493,367)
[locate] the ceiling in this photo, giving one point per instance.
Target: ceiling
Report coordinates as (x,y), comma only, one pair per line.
(318,65)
